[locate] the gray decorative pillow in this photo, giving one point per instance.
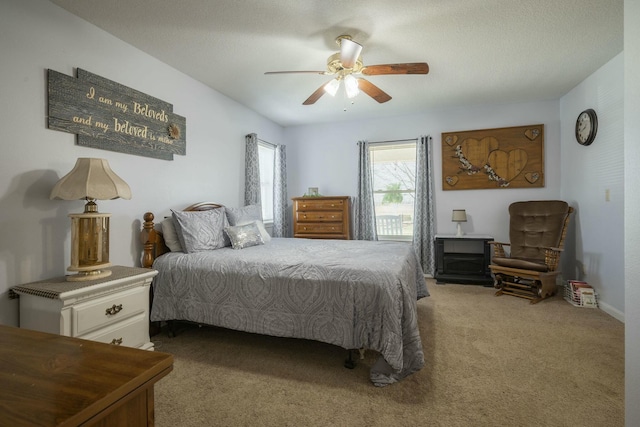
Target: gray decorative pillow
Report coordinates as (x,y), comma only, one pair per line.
(244,236)
(247,214)
(170,235)
(201,230)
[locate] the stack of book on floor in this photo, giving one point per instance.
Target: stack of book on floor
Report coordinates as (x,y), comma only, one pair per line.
(580,294)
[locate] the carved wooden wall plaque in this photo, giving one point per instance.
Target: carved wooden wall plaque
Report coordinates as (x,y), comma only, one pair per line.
(510,157)
(107,115)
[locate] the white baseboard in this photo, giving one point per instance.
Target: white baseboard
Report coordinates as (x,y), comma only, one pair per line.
(613,312)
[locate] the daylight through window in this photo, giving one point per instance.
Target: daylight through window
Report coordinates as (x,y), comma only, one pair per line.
(394,182)
(266,159)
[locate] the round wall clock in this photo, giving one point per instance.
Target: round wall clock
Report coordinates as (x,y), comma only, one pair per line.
(586,127)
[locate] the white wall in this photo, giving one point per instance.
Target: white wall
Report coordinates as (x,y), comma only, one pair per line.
(589,174)
(36,35)
(325,156)
(631,209)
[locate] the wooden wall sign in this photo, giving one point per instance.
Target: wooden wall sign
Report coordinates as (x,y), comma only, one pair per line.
(510,157)
(107,115)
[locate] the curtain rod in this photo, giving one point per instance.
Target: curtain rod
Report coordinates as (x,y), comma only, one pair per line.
(392,140)
(267,142)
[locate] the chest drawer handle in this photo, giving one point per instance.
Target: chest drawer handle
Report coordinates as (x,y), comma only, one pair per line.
(116,341)
(115,309)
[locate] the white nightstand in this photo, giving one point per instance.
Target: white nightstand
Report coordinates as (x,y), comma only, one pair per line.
(112,310)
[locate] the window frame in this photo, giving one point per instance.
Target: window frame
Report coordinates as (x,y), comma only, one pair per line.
(267,219)
(390,145)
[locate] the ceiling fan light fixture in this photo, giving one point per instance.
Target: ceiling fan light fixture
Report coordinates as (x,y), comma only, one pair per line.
(332,87)
(351,86)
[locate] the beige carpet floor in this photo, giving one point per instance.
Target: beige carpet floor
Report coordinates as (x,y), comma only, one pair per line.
(490,361)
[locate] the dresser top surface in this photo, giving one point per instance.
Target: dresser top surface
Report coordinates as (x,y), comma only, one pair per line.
(308,198)
(52,379)
(464,236)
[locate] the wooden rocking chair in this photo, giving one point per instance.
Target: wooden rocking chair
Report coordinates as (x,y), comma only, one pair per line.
(537,230)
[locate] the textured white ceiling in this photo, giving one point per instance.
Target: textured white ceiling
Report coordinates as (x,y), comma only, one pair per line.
(479,51)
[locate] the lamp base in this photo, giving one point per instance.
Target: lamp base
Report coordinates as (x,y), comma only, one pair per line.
(88,275)
(460,233)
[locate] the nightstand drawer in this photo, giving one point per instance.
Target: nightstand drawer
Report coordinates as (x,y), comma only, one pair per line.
(129,333)
(110,309)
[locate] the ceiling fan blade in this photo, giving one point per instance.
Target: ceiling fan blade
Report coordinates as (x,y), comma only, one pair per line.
(295,72)
(315,96)
(349,52)
(373,91)
(409,68)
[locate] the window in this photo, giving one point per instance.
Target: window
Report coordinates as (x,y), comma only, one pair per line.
(266,159)
(393,167)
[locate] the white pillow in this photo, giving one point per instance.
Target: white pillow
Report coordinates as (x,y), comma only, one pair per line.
(170,235)
(246,215)
(244,236)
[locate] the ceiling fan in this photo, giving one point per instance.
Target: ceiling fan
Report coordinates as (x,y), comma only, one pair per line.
(346,63)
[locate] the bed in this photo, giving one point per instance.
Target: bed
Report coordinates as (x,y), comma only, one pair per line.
(350,293)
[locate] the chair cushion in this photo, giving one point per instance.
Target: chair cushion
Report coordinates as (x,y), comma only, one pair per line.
(536,225)
(522,264)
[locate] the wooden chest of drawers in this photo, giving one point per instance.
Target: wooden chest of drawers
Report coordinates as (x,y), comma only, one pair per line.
(321,217)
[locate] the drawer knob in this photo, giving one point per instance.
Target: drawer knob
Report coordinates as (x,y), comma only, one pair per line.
(114,309)
(116,341)
(304,206)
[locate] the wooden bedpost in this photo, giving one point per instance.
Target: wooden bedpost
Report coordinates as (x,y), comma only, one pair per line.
(149,237)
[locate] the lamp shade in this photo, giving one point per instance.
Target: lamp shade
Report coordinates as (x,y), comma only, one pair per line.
(351,86)
(459,215)
(91,179)
(332,87)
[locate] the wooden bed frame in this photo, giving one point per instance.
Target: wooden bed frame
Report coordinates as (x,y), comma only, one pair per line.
(153,240)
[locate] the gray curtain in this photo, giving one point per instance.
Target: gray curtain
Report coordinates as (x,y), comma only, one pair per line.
(251,171)
(364,208)
(423,224)
(252,183)
(280,226)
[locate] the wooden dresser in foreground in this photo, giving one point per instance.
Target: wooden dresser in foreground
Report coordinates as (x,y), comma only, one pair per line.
(321,217)
(53,380)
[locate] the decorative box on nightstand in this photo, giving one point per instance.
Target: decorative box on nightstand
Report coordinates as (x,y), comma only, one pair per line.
(112,310)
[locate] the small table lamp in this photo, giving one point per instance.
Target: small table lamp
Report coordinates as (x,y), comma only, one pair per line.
(90,180)
(459,215)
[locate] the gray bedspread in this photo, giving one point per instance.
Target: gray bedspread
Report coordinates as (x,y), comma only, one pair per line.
(354,294)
